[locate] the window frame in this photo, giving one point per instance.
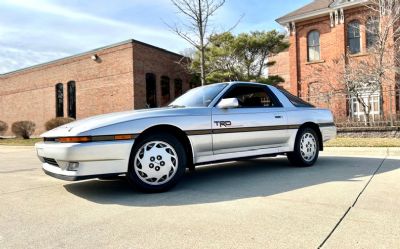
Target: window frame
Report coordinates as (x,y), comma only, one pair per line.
(165,98)
(151,78)
(59,101)
(274,99)
(296,101)
(71,91)
(176,82)
(371,22)
(310,46)
(356,107)
(352,36)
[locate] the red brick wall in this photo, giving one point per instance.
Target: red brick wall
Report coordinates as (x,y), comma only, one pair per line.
(152,60)
(281,68)
(333,43)
(103,86)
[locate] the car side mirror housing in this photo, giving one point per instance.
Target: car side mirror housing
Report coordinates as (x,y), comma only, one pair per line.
(228,103)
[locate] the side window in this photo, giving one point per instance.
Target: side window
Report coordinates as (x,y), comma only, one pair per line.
(296,101)
(252,97)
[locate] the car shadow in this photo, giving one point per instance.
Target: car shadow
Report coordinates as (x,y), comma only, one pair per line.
(232,181)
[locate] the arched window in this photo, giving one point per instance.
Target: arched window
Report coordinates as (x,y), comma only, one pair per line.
(372,31)
(165,93)
(178,87)
(71,99)
(151,90)
(313,46)
(354,37)
(59,100)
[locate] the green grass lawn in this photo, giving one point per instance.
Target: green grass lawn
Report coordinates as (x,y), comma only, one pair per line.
(364,142)
(19,141)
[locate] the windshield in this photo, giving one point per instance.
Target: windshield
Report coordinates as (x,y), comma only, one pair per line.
(199,97)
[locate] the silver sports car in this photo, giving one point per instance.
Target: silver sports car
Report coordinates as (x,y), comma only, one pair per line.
(154,147)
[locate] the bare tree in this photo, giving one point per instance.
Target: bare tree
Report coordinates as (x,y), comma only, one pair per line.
(196,30)
(385,50)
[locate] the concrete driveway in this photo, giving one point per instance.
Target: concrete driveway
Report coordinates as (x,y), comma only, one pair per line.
(350,199)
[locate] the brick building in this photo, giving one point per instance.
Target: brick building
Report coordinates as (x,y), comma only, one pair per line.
(124,76)
(323,31)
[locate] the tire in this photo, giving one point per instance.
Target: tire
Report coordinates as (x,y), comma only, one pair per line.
(306,148)
(157,163)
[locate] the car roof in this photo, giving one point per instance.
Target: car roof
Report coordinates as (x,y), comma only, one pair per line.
(246,82)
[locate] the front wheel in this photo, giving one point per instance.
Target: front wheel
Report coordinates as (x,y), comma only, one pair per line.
(306,149)
(157,163)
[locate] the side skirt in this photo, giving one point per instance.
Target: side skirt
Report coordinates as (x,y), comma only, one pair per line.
(237,155)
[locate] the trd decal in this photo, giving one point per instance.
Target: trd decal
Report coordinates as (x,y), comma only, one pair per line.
(223,123)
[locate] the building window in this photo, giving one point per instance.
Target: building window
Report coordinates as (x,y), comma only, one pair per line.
(354,37)
(313,45)
(357,110)
(178,87)
(165,93)
(71,99)
(372,31)
(59,100)
(151,90)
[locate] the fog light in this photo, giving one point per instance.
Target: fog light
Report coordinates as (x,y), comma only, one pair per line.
(73,166)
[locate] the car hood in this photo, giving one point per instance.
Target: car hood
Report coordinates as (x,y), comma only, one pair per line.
(94,122)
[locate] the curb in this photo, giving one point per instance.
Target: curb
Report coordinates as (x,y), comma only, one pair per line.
(375,151)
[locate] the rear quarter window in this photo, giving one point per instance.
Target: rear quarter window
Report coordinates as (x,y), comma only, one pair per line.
(296,101)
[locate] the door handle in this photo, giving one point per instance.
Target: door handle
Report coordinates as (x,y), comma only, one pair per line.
(278,116)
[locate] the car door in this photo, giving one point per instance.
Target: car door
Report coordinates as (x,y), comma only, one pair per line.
(259,122)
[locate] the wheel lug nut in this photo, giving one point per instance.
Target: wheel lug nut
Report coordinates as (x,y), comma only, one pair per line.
(157,168)
(162,163)
(151,165)
(152,159)
(159,157)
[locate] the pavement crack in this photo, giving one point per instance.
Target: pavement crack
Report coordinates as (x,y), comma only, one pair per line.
(355,201)
(17,170)
(27,189)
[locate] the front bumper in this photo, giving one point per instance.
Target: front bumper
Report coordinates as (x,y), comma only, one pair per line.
(328,133)
(96,159)
(77,178)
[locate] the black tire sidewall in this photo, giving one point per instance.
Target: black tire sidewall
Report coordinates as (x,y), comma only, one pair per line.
(182,161)
(296,157)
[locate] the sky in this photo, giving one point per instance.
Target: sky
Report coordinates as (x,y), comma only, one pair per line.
(38,31)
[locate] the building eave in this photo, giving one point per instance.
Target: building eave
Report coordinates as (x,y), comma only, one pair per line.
(321,12)
(91,52)
(318,13)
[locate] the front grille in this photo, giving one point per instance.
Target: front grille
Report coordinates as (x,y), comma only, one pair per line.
(50,161)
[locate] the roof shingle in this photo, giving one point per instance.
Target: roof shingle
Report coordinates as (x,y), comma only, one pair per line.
(313,6)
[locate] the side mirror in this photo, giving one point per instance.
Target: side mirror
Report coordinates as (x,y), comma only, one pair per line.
(228,103)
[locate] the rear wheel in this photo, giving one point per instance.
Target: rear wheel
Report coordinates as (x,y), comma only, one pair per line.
(306,148)
(157,163)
